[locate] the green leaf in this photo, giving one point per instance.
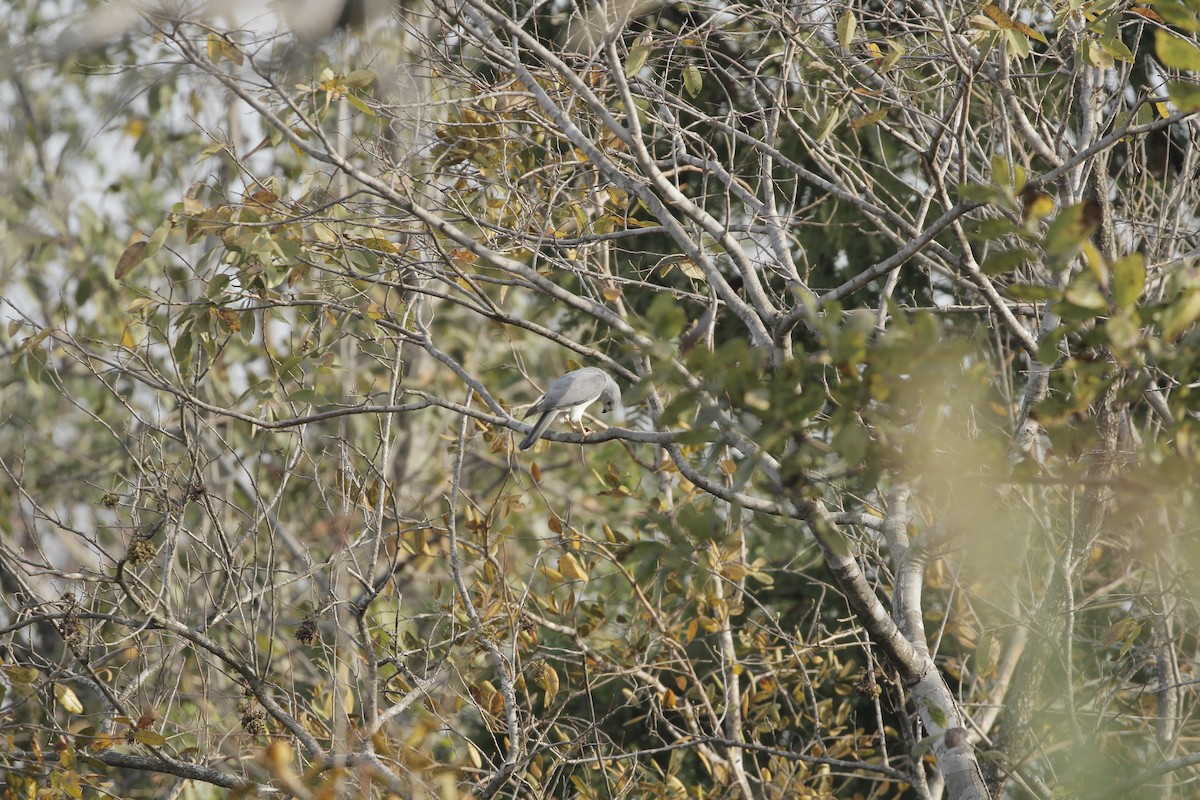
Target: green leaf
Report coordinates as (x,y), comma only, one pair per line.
(847,24)
(868,119)
(850,441)
(993,228)
(306,396)
(985,653)
(158,238)
(1006,260)
(1180,315)
(1128,280)
(359,79)
(830,121)
(20,676)
(249,321)
(665,316)
(693,82)
(1185,96)
(1176,52)
(1018,45)
(1071,227)
(181,351)
(936,714)
(1084,292)
(979,193)
(1096,55)
(149,737)
(217,285)
(638,54)
(1178,14)
(923,748)
(358,103)
(1118,50)
(1032,292)
(1133,631)
(1123,333)
(894,55)
(1001,174)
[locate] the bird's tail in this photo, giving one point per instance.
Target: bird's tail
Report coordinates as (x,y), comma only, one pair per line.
(538,429)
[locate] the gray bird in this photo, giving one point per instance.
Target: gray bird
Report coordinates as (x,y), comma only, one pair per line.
(571,393)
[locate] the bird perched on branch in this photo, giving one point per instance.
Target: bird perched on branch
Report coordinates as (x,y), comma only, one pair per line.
(572,393)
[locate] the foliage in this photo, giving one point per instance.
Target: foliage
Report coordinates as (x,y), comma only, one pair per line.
(902,300)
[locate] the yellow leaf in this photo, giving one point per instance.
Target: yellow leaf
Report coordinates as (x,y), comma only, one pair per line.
(67,698)
(105,741)
(734,572)
(570,568)
(691,269)
(382,245)
(138,305)
(277,756)
(1035,204)
(875,53)
(982,23)
(1021,27)
(474,754)
(548,679)
(69,783)
(134,128)
(846,28)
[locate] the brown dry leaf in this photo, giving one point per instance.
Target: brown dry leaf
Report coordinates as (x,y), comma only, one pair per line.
(134,255)
(229,318)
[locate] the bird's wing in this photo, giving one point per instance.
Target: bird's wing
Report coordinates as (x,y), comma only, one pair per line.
(580,387)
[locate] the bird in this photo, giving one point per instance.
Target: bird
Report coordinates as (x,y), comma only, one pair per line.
(571,393)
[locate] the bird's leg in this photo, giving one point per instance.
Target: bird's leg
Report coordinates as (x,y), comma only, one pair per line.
(577,425)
